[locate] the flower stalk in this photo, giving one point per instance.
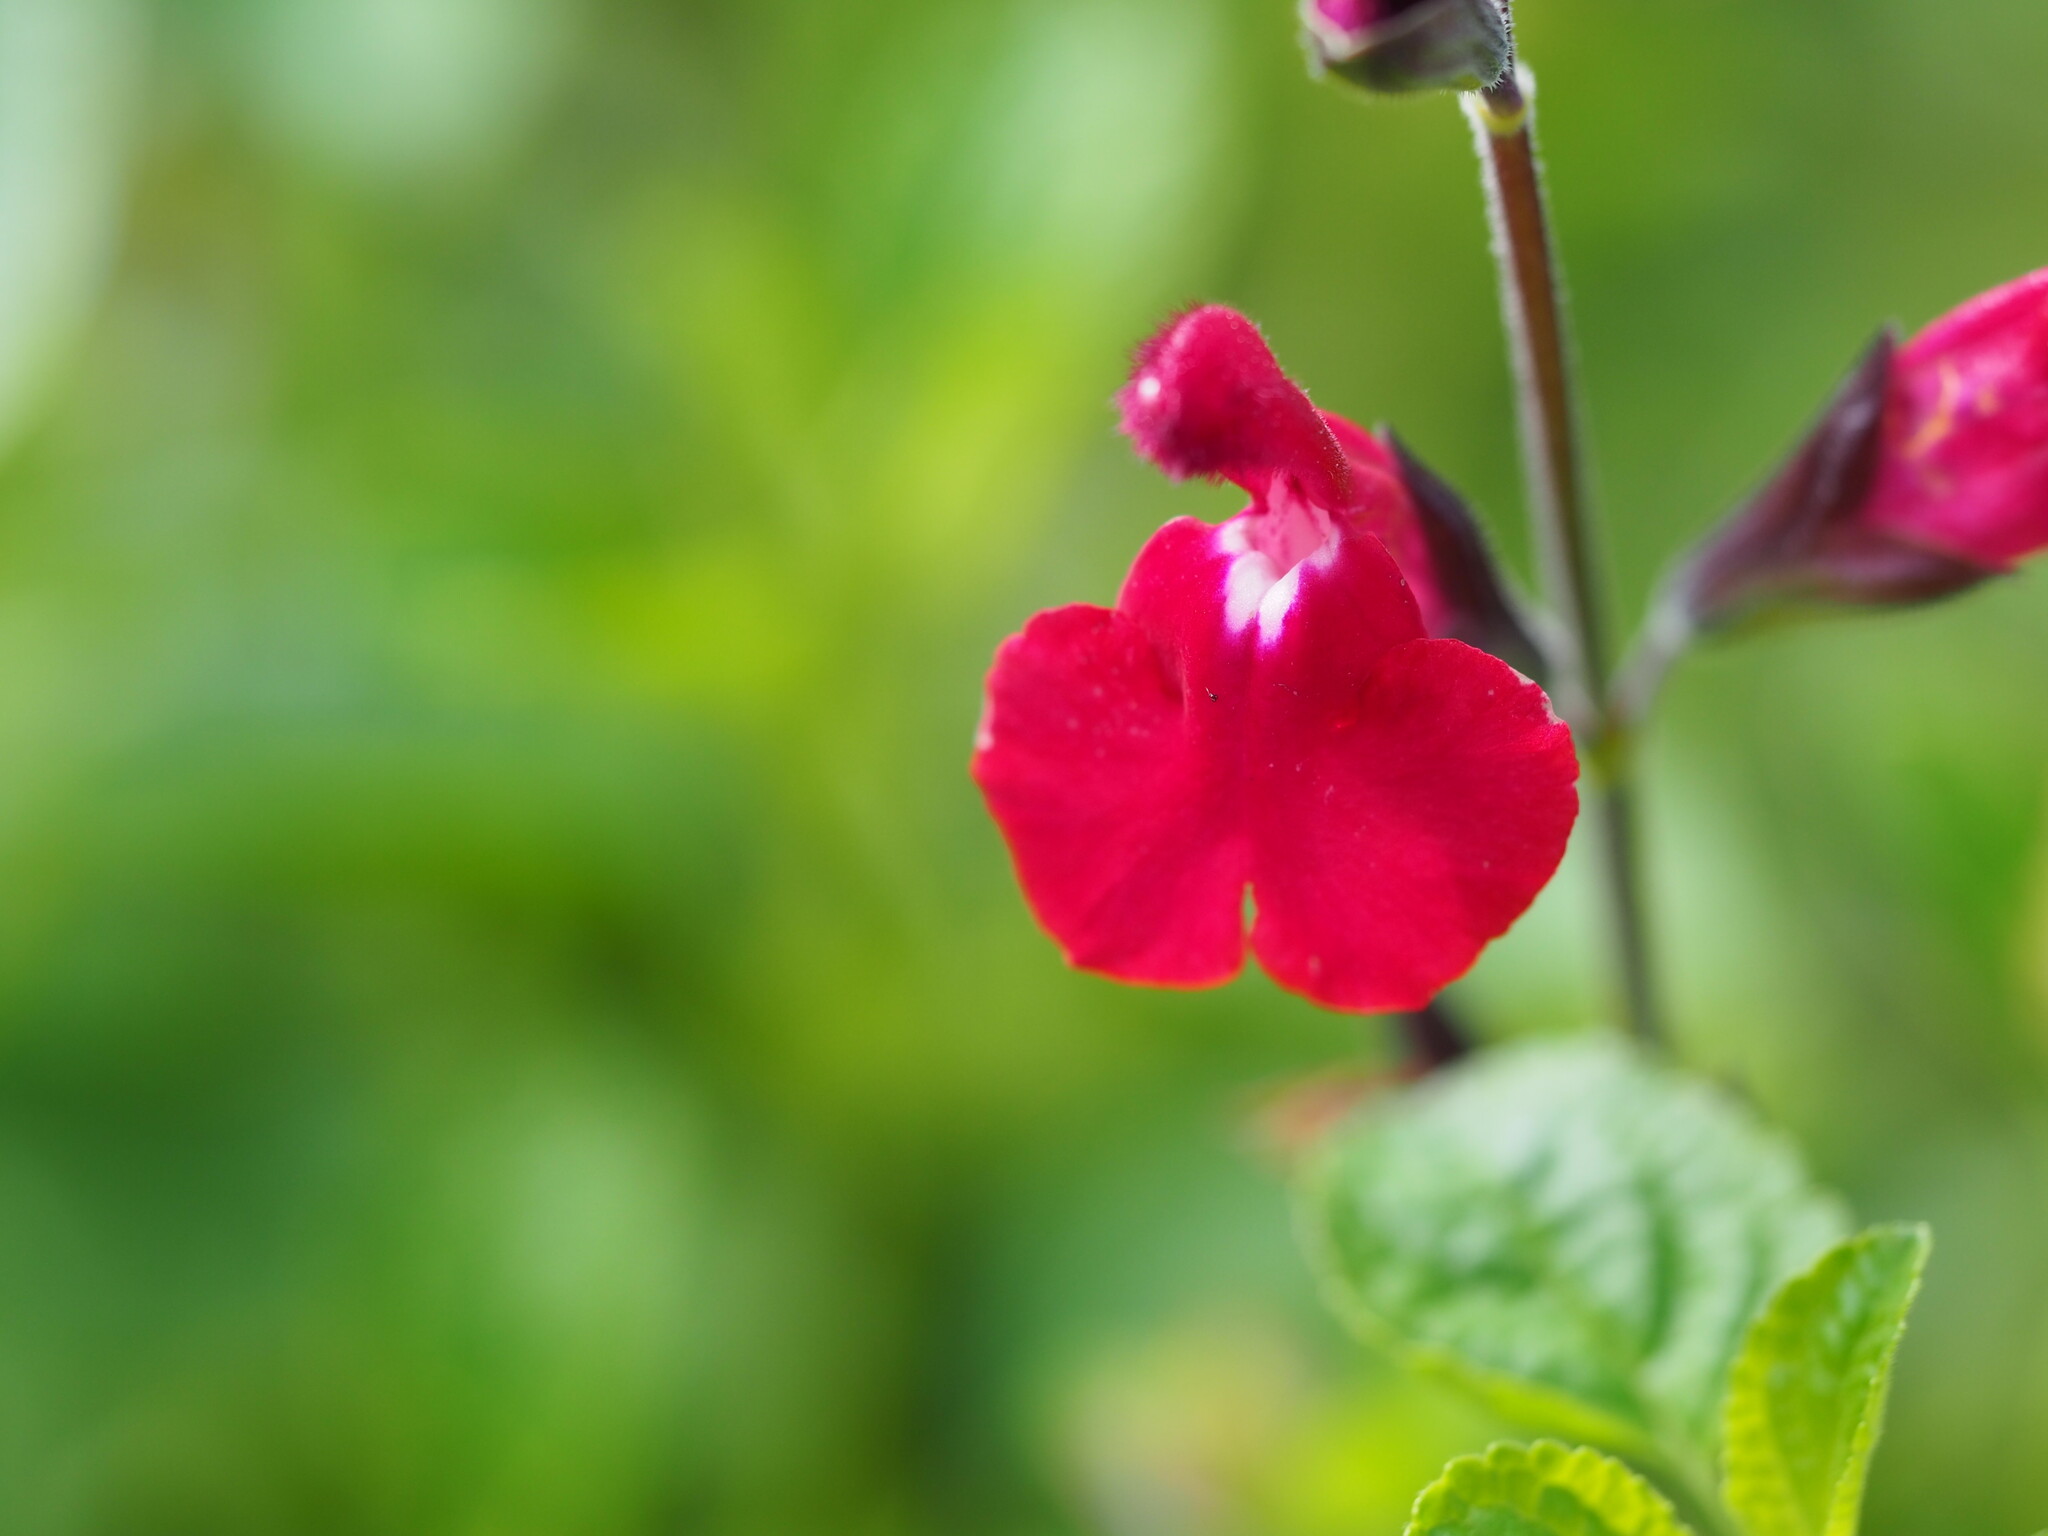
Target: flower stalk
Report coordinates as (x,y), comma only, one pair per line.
(1554,465)
(1436,1038)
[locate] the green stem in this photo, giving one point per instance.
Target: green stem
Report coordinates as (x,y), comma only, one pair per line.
(1555,468)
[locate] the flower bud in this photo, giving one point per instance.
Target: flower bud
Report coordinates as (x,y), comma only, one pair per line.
(1804,540)
(1410,45)
(1963,467)
(1927,474)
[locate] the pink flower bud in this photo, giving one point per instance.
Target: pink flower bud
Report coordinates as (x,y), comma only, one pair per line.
(1357,15)
(1410,45)
(1964,464)
(1927,475)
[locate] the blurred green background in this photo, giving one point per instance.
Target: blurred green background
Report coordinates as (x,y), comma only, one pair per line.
(512,1019)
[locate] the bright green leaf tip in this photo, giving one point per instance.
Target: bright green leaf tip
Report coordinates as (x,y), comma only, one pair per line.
(1545,1489)
(1806,1396)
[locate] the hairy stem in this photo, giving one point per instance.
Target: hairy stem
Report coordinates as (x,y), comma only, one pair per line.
(1531,301)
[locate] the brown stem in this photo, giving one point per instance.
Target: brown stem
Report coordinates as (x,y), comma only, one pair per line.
(1531,302)
(1551,435)
(1436,1038)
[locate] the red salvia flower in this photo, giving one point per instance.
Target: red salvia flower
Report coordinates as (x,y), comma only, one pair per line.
(1927,475)
(1265,709)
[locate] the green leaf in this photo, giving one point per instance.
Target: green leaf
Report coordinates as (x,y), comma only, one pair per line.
(1575,1234)
(1806,1399)
(1544,1489)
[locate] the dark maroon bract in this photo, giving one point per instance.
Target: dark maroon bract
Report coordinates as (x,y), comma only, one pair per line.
(1265,709)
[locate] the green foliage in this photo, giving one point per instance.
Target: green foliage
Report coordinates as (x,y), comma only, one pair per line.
(1544,1489)
(1806,1399)
(1575,1234)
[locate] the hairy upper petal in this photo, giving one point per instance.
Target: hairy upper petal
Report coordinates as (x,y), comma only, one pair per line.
(1392,844)
(1207,398)
(1127,839)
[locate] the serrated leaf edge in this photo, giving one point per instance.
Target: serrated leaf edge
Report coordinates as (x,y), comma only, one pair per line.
(1621,1500)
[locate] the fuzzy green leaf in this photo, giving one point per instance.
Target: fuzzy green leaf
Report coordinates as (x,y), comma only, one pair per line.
(1544,1489)
(1577,1235)
(1806,1399)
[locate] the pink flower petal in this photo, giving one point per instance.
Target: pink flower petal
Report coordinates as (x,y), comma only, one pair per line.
(1126,837)
(1389,852)
(1356,15)
(1964,468)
